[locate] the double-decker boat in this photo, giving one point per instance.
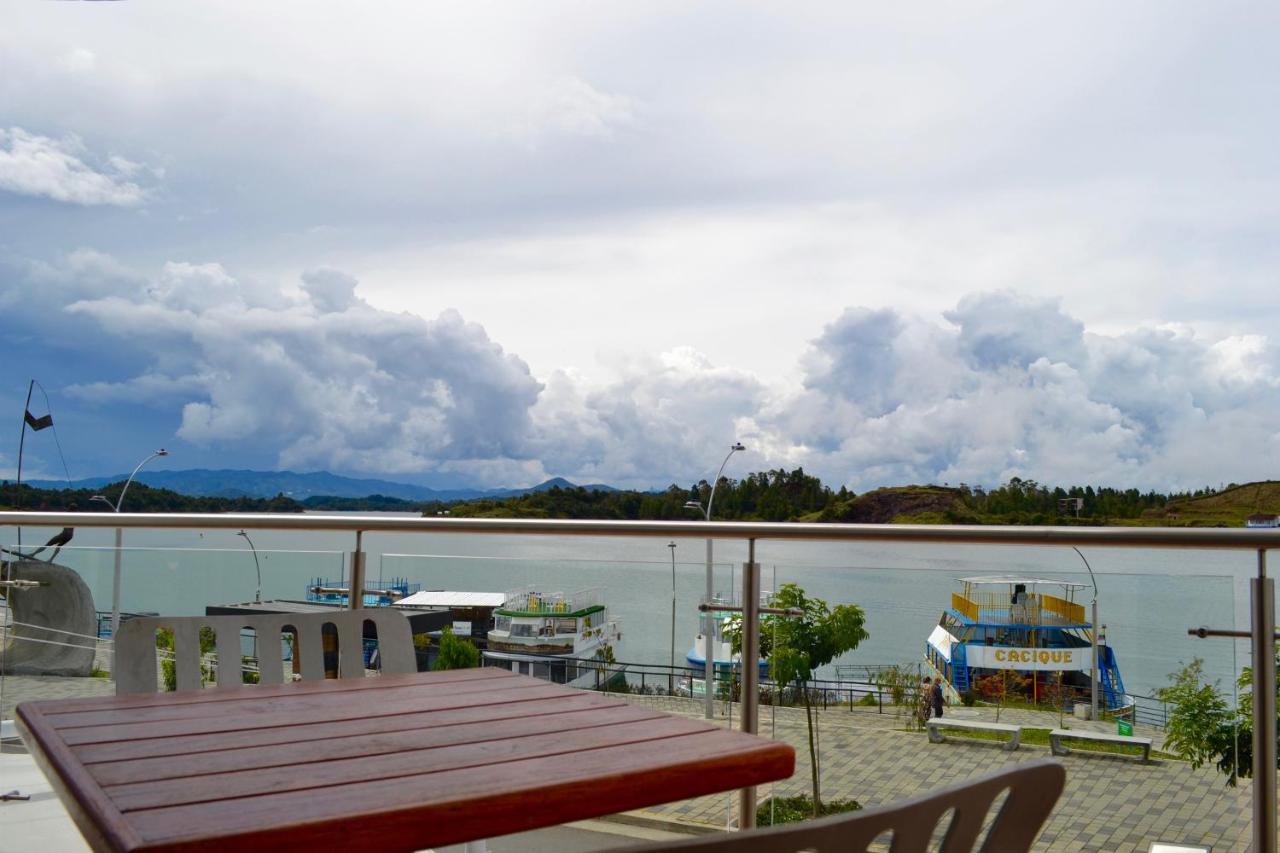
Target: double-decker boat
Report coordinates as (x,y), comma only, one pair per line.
(1030,626)
(553,635)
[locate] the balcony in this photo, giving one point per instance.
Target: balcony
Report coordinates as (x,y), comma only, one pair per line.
(1154,585)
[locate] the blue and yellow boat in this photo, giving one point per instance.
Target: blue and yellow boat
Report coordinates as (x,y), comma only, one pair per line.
(1032,627)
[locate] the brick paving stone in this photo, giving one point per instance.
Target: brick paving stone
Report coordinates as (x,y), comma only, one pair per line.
(1110,803)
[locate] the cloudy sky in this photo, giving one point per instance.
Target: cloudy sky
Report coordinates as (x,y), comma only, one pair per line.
(486,244)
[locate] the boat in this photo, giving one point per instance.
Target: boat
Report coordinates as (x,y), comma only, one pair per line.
(562,637)
(324,591)
(724,658)
(1025,625)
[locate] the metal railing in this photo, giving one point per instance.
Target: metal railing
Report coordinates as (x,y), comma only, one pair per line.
(1261,611)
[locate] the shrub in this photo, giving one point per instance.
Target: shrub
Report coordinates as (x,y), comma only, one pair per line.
(795,809)
(968,698)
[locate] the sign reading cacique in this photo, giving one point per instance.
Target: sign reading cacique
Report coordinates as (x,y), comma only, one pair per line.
(994,657)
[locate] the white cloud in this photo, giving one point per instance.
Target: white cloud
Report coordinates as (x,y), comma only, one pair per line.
(40,166)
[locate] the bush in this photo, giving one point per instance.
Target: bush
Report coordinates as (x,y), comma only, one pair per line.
(795,809)
(968,698)
(868,700)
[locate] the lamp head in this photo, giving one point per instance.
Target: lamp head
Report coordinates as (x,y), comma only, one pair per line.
(242,533)
(692,505)
(162,452)
(102,498)
(671,545)
(737,445)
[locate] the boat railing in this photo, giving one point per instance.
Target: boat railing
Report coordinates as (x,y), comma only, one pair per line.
(533,600)
(997,608)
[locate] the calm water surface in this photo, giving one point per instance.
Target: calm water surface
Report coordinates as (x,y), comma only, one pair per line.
(1147,598)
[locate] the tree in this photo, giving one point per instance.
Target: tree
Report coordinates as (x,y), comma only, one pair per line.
(1203,728)
(455,653)
(797,645)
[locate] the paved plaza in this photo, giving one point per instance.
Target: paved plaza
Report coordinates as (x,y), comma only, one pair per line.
(1110,803)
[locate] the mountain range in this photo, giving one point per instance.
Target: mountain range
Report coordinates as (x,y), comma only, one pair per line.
(202,482)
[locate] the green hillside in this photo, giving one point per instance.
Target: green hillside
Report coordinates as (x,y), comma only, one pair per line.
(1227,508)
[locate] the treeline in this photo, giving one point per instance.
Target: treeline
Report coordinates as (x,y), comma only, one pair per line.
(1028,502)
(141,498)
(776,495)
(766,496)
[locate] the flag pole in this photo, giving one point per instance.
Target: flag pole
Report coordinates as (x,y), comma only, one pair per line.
(22,438)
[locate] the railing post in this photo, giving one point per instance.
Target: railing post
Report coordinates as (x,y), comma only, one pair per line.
(750,670)
(355,593)
(1264,708)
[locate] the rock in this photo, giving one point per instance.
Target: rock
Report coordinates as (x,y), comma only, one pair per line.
(60,610)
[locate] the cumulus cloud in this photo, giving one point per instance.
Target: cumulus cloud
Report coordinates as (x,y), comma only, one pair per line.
(318,376)
(1001,385)
(44,167)
(1013,386)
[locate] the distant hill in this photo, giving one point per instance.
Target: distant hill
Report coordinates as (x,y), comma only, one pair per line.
(1227,508)
(900,505)
(229,483)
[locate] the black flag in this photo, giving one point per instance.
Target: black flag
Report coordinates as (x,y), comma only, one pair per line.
(40,423)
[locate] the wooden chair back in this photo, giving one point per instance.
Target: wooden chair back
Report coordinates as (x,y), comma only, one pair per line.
(135,646)
(1033,788)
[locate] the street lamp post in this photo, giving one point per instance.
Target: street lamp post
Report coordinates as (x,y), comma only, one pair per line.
(671,675)
(1093,680)
(257,596)
(115,574)
(708,618)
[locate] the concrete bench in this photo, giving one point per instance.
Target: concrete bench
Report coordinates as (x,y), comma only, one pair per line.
(937,723)
(1058,735)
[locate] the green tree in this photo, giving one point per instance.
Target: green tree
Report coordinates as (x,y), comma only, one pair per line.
(797,645)
(1203,727)
(455,653)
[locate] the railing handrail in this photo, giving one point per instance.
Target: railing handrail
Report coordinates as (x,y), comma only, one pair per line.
(1110,537)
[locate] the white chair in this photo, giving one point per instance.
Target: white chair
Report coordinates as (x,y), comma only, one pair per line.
(135,646)
(1033,789)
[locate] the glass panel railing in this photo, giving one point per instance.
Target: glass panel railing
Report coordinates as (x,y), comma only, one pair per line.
(1018,657)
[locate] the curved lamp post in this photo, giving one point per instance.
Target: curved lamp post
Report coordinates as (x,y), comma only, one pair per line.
(115,575)
(1093,681)
(708,619)
(257,596)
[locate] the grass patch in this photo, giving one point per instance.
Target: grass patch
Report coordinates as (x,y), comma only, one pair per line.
(796,809)
(1040,737)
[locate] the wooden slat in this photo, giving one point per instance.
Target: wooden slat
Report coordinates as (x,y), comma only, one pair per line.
(441,760)
(311,752)
(549,700)
(92,811)
(478,802)
(250,714)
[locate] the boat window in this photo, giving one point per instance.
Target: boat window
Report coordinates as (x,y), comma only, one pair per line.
(502,623)
(566,626)
(520,629)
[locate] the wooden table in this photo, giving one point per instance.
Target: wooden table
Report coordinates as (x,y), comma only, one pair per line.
(390,763)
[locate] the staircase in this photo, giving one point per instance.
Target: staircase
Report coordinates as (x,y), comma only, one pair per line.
(1109,678)
(959,668)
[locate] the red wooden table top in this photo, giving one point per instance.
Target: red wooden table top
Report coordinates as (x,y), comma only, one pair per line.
(388,763)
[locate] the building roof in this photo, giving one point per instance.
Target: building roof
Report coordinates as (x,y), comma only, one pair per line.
(448,598)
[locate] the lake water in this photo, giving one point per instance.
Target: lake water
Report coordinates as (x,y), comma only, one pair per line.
(1147,598)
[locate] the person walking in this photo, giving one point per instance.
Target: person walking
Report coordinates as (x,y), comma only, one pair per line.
(924,708)
(936,695)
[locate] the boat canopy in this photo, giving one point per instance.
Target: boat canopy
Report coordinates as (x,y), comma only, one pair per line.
(1006,580)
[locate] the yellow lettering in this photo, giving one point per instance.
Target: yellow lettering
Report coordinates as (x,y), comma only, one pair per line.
(1044,657)
(1000,654)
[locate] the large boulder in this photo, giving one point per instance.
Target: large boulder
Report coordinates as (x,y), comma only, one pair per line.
(60,610)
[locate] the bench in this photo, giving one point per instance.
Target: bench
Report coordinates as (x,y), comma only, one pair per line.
(936,723)
(1058,735)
